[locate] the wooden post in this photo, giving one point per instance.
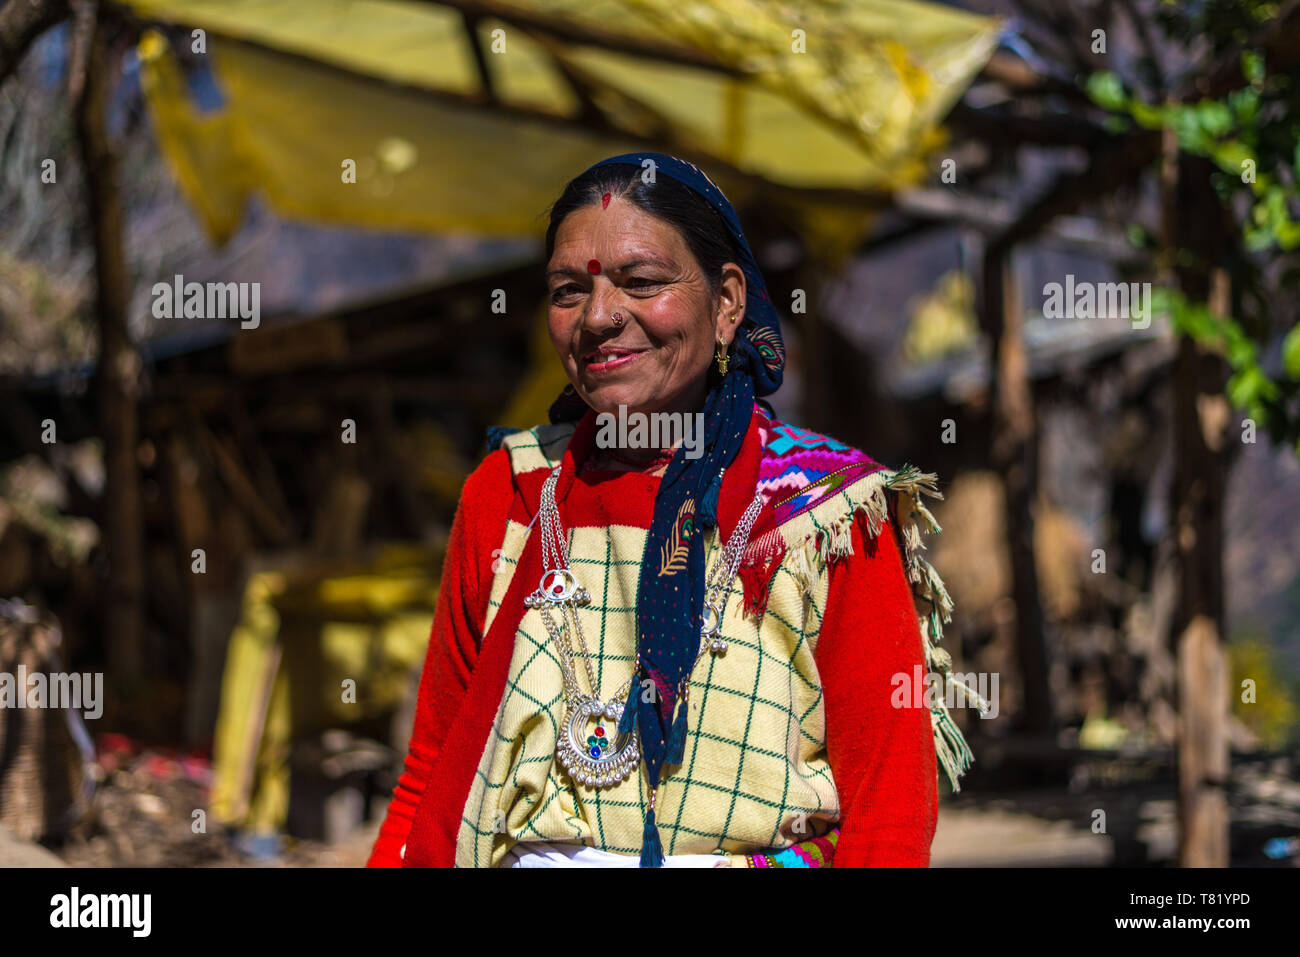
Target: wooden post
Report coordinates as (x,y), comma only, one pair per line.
(1200,476)
(1202,746)
(1201,420)
(117,374)
(1194,219)
(1015,456)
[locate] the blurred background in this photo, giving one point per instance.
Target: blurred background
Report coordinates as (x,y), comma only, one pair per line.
(239,521)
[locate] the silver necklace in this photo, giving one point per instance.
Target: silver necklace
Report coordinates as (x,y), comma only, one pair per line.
(602,756)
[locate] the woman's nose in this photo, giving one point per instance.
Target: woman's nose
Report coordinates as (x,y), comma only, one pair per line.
(602,305)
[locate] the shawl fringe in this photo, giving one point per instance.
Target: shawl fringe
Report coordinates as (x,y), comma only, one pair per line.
(811,542)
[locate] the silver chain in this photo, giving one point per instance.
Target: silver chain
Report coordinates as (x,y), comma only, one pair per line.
(715,600)
(555,562)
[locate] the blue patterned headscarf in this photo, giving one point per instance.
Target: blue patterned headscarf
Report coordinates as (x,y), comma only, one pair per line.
(670,599)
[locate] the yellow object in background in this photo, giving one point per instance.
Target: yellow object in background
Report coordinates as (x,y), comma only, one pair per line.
(302,636)
(378,116)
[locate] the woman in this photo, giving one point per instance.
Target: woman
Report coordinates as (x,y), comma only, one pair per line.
(699,653)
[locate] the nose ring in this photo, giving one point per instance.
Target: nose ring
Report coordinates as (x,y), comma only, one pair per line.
(617,319)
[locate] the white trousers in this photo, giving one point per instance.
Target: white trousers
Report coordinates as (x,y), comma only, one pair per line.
(540,854)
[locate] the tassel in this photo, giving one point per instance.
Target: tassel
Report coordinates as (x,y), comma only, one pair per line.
(953,753)
(677,737)
(652,850)
(756,582)
(709,504)
(627,720)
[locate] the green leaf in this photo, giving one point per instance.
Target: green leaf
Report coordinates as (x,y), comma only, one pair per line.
(1252,67)
(1257,240)
(1288,235)
(1229,156)
(1291,353)
(1249,387)
(1148,116)
(1214,117)
(1106,89)
(1186,124)
(1241,390)
(1240,352)
(1137,236)
(1244,104)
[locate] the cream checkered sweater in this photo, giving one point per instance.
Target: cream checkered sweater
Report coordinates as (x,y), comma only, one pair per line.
(756,773)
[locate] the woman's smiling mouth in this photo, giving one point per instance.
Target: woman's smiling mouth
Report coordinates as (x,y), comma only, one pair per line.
(607,360)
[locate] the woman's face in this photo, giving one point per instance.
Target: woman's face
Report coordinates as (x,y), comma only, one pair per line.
(618,258)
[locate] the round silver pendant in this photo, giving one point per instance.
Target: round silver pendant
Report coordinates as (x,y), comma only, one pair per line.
(591,749)
(557,586)
(710,626)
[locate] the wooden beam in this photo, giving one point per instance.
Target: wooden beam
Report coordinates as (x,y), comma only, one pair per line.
(248,437)
(561,29)
(470,23)
(992,216)
(279,348)
(392,472)
(1020,78)
(1107,172)
(218,389)
(340,515)
(118,369)
(589,111)
(1005,128)
(244,490)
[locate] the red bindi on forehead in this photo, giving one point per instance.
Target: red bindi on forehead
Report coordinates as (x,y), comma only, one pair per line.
(593,266)
(604,201)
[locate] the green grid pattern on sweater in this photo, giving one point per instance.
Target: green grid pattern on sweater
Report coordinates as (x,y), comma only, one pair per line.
(755,774)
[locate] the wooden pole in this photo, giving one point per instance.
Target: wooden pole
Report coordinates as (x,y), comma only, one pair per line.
(1015,456)
(1192,218)
(117,374)
(1200,475)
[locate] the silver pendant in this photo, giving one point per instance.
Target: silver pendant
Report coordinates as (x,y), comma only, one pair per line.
(591,749)
(710,625)
(556,587)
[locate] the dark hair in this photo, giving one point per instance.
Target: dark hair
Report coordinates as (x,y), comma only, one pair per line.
(706,235)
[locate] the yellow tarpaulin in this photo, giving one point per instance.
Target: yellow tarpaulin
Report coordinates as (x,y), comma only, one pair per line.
(828,95)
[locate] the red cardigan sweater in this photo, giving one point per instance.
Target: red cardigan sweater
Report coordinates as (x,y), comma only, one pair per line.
(882,758)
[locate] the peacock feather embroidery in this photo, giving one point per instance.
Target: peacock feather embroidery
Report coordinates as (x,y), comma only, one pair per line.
(677,549)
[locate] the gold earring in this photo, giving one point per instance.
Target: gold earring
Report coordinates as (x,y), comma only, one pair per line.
(733,318)
(722,356)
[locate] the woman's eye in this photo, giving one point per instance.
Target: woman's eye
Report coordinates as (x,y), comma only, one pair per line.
(566,290)
(641,282)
